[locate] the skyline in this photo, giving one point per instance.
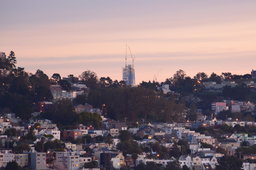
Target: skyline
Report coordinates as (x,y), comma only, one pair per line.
(69,38)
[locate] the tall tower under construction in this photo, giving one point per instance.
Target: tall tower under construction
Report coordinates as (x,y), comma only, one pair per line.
(129,71)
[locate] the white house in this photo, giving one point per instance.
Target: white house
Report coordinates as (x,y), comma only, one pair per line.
(185,161)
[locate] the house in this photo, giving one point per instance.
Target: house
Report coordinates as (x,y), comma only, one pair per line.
(114,132)
(249,166)
(67,161)
(118,161)
(72,134)
(55,133)
(38,161)
(218,107)
(194,147)
(94,133)
(5,157)
(210,160)
(185,160)
(83,108)
(235,108)
(230,146)
(197,161)
(162,162)
(207,139)
(21,159)
(70,146)
(83,160)
(58,93)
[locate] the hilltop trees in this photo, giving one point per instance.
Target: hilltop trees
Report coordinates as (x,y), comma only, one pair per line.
(62,112)
(201,76)
(181,83)
(19,90)
(9,62)
(41,86)
(90,79)
(135,104)
(229,163)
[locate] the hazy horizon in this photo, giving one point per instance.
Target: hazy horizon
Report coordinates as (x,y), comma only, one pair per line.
(70,37)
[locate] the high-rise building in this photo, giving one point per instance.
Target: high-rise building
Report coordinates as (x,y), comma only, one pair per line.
(128,70)
(129,75)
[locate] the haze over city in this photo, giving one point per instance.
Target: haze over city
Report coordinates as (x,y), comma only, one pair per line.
(71,37)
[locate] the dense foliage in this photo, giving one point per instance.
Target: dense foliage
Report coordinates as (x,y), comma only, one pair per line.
(136,104)
(20,92)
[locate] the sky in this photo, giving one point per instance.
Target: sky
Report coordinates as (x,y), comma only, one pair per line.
(69,37)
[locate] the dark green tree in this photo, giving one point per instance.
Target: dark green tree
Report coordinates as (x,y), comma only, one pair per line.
(93,119)
(13,166)
(90,79)
(62,112)
(93,164)
(231,163)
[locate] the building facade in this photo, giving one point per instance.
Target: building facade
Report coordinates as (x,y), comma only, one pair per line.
(129,75)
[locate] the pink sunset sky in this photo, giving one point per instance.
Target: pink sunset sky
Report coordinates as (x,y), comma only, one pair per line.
(69,37)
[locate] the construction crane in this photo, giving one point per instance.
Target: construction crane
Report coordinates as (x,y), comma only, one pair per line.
(132,56)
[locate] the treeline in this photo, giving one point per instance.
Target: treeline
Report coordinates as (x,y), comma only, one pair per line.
(136,104)
(63,113)
(20,90)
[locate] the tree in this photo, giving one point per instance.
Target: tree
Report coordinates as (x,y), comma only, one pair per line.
(93,164)
(9,62)
(185,167)
(241,92)
(175,152)
(136,103)
(106,82)
(227,75)
(65,85)
(11,132)
(231,163)
(173,165)
(127,145)
(89,78)
(80,99)
(21,147)
(214,77)
(179,75)
(62,112)
(30,136)
(41,86)
(13,166)
(184,147)
(124,135)
(56,77)
(181,83)
(192,114)
(201,76)
(93,119)
(149,165)
(55,145)
(151,85)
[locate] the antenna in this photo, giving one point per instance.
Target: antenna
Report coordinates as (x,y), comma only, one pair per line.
(131,56)
(155,78)
(126,55)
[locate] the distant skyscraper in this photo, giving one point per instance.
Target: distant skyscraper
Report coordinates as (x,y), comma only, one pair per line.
(129,75)
(129,71)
